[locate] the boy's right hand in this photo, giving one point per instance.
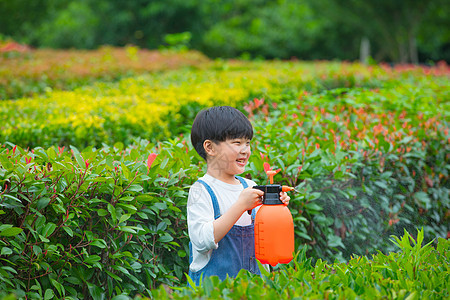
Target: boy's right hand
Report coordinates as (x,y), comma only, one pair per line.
(250,198)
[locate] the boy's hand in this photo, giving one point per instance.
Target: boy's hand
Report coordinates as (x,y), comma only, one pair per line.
(250,198)
(284,198)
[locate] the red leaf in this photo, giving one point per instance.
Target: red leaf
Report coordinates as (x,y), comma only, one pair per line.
(151,158)
(267,167)
(258,102)
(263,156)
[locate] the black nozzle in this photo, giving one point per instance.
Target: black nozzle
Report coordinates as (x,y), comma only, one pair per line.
(271,193)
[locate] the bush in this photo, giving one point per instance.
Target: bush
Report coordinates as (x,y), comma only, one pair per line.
(110,221)
(415,272)
(35,72)
(101,222)
(367,164)
(157,106)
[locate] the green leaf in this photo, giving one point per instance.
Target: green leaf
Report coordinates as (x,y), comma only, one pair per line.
(95,291)
(5,226)
(335,241)
(51,153)
(6,251)
(126,171)
(181,253)
(165,238)
(121,297)
(129,229)
(127,198)
(262,269)
(92,259)
(73,280)
(42,203)
(114,276)
(160,206)
(37,250)
(79,159)
(135,188)
(129,207)
(12,231)
(124,217)
(48,294)
(48,229)
(58,287)
(120,269)
(119,146)
(99,243)
(112,211)
(164,163)
(313,206)
(102,212)
(68,230)
(191,282)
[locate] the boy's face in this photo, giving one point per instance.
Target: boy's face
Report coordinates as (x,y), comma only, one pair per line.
(230,156)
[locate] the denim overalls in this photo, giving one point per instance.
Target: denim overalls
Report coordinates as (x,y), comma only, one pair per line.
(236,249)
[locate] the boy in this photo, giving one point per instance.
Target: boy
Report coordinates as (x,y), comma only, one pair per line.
(220,229)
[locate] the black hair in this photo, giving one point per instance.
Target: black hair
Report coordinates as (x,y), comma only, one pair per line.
(218,124)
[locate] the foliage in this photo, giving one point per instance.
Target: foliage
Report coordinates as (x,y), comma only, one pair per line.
(367,148)
(371,163)
(178,42)
(416,271)
(35,72)
(399,31)
(154,106)
(393,33)
(101,222)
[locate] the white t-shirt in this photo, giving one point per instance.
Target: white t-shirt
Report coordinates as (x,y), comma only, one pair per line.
(200,216)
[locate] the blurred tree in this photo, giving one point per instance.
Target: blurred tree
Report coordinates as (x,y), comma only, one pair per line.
(433,38)
(19,16)
(142,22)
(391,25)
(70,26)
(398,30)
(265,28)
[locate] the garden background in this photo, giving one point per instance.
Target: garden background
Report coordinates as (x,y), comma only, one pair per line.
(350,100)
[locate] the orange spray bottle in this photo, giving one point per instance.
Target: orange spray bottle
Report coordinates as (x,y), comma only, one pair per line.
(274,226)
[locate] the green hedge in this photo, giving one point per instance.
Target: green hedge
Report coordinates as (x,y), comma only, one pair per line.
(416,271)
(100,222)
(366,162)
(109,221)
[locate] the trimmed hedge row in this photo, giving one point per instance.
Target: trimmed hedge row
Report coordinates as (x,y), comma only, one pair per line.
(368,163)
(101,222)
(416,271)
(156,106)
(109,221)
(32,72)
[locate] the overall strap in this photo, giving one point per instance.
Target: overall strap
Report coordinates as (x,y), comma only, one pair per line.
(244,183)
(213,199)
(242,180)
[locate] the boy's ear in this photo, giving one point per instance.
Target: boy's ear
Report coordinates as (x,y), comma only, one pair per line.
(209,148)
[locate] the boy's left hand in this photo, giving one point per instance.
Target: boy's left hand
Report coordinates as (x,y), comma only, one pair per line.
(284,198)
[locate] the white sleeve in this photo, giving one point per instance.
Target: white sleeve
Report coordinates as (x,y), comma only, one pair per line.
(200,218)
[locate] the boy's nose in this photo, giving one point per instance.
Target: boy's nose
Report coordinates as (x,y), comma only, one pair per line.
(245,149)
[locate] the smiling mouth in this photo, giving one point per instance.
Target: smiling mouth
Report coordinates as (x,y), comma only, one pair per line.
(241,161)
